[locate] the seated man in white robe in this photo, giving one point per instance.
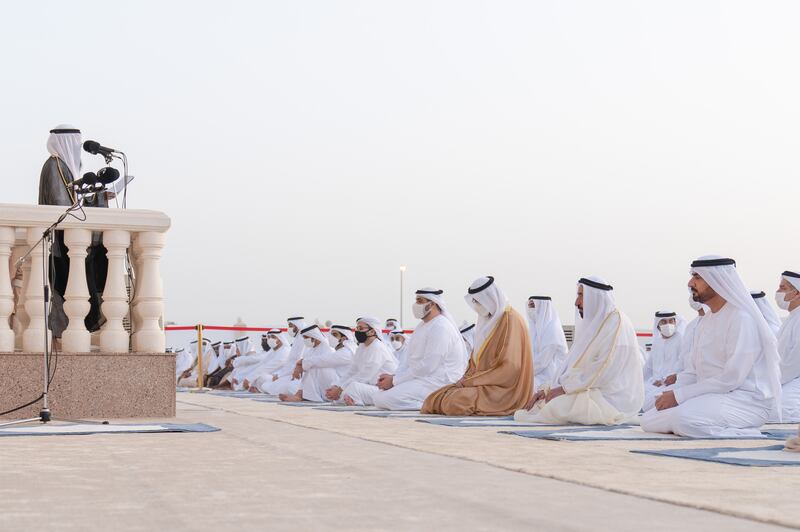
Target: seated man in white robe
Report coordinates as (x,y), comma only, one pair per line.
(371,359)
(666,356)
(548,343)
(319,368)
(788,298)
(220,376)
(342,337)
(284,379)
(399,341)
(731,382)
(601,381)
(436,357)
(189,377)
(467,331)
(244,358)
(271,361)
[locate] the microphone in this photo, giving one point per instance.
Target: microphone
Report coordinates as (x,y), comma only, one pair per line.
(107,175)
(89,178)
(96,149)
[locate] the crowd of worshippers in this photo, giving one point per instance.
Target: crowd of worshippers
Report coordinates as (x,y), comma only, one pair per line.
(732,368)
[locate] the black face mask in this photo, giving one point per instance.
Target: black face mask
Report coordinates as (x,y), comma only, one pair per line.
(265,345)
(361,336)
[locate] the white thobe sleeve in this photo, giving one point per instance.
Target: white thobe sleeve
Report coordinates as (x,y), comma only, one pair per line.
(425,358)
(742,342)
(790,353)
(365,369)
(336,359)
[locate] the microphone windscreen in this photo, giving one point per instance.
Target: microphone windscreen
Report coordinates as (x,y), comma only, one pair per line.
(107,175)
(91,146)
(89,178)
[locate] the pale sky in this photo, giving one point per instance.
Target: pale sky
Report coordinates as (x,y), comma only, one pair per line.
(305,150)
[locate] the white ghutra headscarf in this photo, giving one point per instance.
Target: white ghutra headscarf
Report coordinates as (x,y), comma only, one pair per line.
(64,142)
(486,292)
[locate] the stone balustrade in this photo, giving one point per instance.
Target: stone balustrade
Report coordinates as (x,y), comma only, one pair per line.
(135,235)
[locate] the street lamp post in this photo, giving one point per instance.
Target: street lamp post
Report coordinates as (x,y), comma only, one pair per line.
(402,307)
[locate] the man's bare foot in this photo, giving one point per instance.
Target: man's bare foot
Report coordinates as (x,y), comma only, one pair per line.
(253,389)
(246,385)
(349,401)
(291,397)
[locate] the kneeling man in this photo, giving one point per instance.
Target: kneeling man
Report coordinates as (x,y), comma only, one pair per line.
(601,381)
(731,382)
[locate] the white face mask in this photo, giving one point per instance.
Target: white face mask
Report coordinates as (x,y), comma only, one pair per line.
(480,309)
(531,313)
(780,300)
(333,341)
(668,329)
(419,310)
(293,332)
(397,344)
(309,342)
(272,343)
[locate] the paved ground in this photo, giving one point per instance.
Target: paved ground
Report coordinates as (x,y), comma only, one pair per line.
(282,468)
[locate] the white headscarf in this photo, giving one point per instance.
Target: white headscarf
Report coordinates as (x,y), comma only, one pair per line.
(437,296)
(314,332)
(598,302)
(64,142)
(767,311)
(792,278)
(285,338)
(721,275)
(349,337)
(299,322)
(467,331)
(486,292)
(680,327)
(374,324)
(245,345)
(545,326)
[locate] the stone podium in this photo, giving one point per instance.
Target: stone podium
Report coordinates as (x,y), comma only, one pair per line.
(120,371)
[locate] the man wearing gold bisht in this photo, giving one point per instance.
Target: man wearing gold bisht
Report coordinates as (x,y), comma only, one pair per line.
(499,377)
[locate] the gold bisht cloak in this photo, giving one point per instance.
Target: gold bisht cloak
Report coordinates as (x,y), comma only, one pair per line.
(499,378)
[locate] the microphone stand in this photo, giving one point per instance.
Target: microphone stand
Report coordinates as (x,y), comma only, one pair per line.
(46,241)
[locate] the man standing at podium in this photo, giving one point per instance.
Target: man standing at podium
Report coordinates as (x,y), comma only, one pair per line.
(55,188)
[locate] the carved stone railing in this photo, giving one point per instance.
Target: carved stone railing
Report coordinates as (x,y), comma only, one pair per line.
(138,233)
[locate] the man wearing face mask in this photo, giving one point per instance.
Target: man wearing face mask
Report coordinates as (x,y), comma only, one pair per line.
(731,383)
(436,356)
(666,355)
(372,358)
(269,362)
(601,381)
(392,325)
(499,377)
(318,369)
(788,298)
(548,343)
(284,380)
(398,341)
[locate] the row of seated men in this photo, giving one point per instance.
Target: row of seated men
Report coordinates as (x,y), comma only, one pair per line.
(734,367)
